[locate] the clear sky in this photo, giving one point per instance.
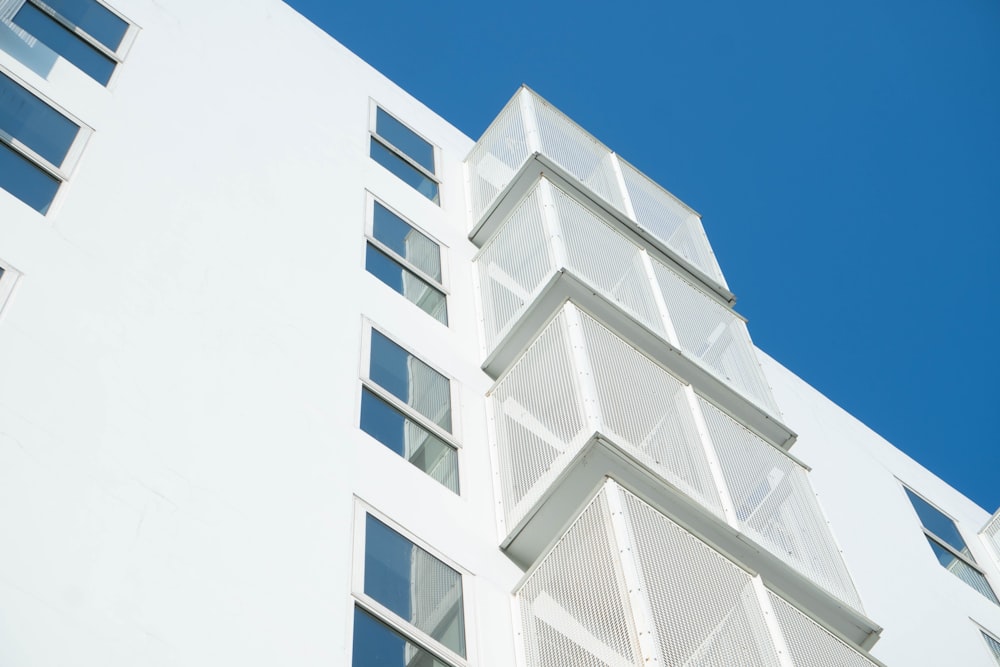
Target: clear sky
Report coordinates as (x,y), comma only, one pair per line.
(845,157)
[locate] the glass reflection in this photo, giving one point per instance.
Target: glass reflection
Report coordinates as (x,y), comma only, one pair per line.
(407,283)
(378,645)
(404,170)
(408,439)
(413,584)
(410,380)
(64,42)
(34,123)
(94,19)
(25,180)
(407,242)
(936,522)
(405,139)
(963,570)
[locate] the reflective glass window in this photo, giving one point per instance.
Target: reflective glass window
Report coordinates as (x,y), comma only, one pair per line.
(409,439)
(414,585)
(400,237)
(404,139)
(378,645)
(34,123)
(26,180)
(407,283)
(937,523)
(63,41)
(93,18)
(410,380)
(405,171)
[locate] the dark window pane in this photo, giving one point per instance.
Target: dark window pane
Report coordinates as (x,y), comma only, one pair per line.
(378,645)
(94,19)
(1,272)
(407,242)
(937,523)
(404,170)
(408,439)
(34,123)
(51,33)
(414,585)
(963,570)
(407,283)
(25,180)
(405,139)
(410,380)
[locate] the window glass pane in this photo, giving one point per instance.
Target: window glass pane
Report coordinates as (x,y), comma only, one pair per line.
(404,170)
(25,180)
(410,380)
(408,439)
(405,139)
(407,283)
(962,570)
(378,645)
(994,646)
(51,33)
(34,123)
(96,20)
(414,584)
(937,523)
(407,242)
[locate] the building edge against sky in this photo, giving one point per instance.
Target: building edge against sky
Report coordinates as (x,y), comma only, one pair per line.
(194,335)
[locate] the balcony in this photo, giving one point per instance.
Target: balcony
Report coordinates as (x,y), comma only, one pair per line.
(551,248)
(603,596)
(582,404)
(991,535)
(530,136)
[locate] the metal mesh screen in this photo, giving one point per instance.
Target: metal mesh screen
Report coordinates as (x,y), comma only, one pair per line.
(577,152)
(665,217)
(645,412)
(606,259)
(496,157)
(993,645)
(715,336)
(991,532)
(705,610)
(809,643)
(775,504)
(575,607)
(512,265)
(539,420)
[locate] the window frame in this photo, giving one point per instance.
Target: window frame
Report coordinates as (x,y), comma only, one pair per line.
(373,107)
(60,172)
(117,55)
(9,280)
(411,633)
(440,285)
(930,535)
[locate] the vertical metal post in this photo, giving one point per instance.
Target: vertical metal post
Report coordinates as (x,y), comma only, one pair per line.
(553,226)
(531,135)
(771,621)
(712,456)
(584,371)
(661,305)
(627,207)
(642,613)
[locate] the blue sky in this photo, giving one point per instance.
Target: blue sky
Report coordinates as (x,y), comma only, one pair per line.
(845,158)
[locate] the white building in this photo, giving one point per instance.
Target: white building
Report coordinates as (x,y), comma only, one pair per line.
(293,372)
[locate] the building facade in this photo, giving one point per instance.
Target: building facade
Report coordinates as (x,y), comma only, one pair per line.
(294,372)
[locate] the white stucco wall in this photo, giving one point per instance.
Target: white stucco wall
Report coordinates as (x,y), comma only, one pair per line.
(179,448)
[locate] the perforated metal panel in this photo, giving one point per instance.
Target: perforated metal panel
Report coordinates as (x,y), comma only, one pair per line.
(575,607)
(810,644)
(496,157)
(715,336)
(991,534)
(775,504)
(512,265)
(705,610)
(539,420)
(668,219)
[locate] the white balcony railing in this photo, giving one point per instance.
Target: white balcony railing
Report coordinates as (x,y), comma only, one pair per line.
(528,125)
(579,381)
(550,232)
(626,586)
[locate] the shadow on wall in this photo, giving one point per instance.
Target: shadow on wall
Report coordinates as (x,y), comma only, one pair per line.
(26,49)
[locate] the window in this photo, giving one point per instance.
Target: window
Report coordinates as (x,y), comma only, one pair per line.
(993,644)
(405,153)
(949,547)
(407,261)
(84,32)
(409,604)
(406,406)
(36,143)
